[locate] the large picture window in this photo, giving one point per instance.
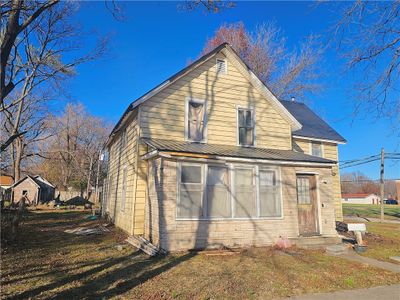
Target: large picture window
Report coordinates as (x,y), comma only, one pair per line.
(195,120)
(209,192)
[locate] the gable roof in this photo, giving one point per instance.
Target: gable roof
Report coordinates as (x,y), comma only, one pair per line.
(37,180)
(226,49)
(313,125)
(234,151)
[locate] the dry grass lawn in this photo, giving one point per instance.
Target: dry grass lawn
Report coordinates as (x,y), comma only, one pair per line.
(383,240)
(48,263)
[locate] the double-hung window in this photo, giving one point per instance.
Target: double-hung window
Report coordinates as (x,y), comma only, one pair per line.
(270,201)
(246,125)
(218,202)
(245,193)
(190,191)
(316,149)
(196,120)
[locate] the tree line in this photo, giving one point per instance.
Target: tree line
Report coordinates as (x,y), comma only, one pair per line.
(357,182)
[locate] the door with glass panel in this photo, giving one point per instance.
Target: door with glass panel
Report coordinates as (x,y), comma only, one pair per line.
(307,205)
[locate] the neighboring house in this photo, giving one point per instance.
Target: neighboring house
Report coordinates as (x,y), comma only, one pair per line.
(211,157)
(361,198)
(35,188)
(6,181)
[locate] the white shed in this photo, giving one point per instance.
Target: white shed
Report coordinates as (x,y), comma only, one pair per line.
(361,198)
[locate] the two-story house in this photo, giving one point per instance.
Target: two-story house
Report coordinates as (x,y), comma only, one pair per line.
(211,157)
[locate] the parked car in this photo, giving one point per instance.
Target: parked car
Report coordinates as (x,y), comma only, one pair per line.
(391,201)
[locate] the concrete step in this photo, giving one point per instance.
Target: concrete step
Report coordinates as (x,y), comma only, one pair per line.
(143,244)
(318,241)
(338,249)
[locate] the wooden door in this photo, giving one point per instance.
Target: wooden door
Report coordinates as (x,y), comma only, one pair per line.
(307,205)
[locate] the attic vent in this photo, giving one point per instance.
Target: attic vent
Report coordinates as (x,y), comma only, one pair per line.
(221,66)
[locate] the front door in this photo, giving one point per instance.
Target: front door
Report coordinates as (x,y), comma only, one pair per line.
(307,205)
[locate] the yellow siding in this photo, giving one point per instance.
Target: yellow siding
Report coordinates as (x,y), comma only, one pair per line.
(120,158)
(163,116)
(330,151)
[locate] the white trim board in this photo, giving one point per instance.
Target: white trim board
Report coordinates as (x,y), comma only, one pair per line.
(317,139)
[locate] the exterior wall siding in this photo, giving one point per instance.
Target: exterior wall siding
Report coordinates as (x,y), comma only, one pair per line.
(330,151)
(163,116)
(165,231)
(29,186)
(119,158)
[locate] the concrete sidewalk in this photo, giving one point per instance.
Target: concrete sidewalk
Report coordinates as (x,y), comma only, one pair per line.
(388,292)
(392,267)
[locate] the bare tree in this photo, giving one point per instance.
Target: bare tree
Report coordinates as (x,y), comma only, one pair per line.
(37,62)
(368,35)
(16,17)
(287,73)
(74,147)
(209,6)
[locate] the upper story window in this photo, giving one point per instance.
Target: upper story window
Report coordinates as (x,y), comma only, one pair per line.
(316,149)
(221,66)
(196,120)
(246,126)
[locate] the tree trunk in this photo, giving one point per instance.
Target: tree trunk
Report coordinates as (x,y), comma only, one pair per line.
(18,157)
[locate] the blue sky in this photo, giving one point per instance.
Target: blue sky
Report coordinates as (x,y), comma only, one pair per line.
(156,40)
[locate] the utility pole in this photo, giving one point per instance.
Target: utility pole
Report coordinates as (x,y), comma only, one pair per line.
(88,180)
(382,184)
(101,157)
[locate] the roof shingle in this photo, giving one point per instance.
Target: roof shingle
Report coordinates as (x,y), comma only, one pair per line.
(233,151)
(313,125)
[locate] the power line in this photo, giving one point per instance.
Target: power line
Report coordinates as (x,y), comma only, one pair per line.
(360,161)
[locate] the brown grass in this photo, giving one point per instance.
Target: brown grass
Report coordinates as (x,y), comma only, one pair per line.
(383,240)
(48,263)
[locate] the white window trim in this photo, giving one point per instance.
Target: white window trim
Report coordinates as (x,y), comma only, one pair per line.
(231,171)
(178,187)
(322,148)
(205,121)
(216,66)
(278,177)
(239,107)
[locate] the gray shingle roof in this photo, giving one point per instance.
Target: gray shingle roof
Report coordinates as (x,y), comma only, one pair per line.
(233,151)
(313,125)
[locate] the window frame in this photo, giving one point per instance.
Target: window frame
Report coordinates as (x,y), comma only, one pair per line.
(231,180)
(278,179)
(253,117)
(179,183)
(321,146)
(216,66)
(205,119)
